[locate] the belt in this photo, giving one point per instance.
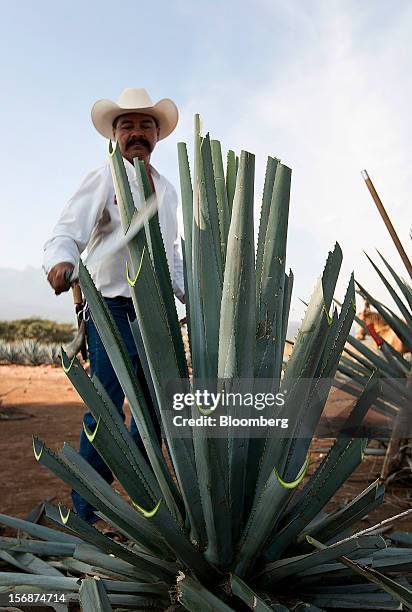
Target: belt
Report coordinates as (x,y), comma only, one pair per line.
(120,299)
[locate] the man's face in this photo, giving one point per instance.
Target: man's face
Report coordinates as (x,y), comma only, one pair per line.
(136,134)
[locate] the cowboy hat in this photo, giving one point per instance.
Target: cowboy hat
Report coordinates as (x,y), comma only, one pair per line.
(134,100)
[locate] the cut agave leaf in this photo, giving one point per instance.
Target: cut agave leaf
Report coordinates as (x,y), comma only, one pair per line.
(396,590)
(37,547)
(90,485)
(93,596)
(301,366)
(231,171)
(113,438)
(271,269)
(336,522)
(162,270)
(285,568)
(149,568)
(157,335)
(342,459)
(263,517)
(48,583)
(249,597)
(237,329)
(38,531)
(221,195)
(193,596)
(29,563)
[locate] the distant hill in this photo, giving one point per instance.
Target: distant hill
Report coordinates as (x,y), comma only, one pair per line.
(26,293)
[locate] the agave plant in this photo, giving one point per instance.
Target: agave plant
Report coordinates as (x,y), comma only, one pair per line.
(233,525)
(11,352)
(394,370)
(392,365)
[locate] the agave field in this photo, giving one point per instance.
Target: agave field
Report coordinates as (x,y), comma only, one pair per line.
(33,341)
(29,352)
(229,523)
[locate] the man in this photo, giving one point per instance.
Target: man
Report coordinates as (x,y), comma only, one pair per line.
(89,217)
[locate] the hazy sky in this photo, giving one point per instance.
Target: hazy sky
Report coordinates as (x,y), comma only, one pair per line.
(324,85)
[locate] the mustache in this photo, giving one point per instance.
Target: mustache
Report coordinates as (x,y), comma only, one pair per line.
(137,140)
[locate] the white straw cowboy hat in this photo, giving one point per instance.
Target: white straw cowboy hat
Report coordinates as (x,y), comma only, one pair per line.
(134,100)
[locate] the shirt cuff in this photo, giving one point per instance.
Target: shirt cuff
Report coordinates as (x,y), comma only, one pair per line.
(58,249)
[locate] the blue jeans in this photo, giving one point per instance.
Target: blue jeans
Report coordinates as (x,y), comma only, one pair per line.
(121,309)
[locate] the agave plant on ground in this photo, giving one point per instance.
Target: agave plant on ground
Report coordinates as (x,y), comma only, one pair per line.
(394,369)
(233,525)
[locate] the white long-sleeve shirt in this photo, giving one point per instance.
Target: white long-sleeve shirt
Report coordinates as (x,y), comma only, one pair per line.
(92,213)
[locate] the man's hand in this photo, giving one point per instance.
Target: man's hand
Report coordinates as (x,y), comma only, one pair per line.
(58,275)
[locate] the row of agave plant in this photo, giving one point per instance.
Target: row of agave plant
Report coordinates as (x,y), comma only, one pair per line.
(29,352)
(237,526)
(393,368)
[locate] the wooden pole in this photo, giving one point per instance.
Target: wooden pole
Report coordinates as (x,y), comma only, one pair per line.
(401,428)
(387,222)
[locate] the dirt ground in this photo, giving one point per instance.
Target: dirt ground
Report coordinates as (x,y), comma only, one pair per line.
(41,400)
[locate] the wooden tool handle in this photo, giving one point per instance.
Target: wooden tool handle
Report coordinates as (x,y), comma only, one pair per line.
(77,294)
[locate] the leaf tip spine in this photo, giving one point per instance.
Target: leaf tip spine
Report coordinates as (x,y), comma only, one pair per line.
(91,436)
(66,365)
(64,517)
(298,479)
(37,453)
(147,513)
(129,280)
